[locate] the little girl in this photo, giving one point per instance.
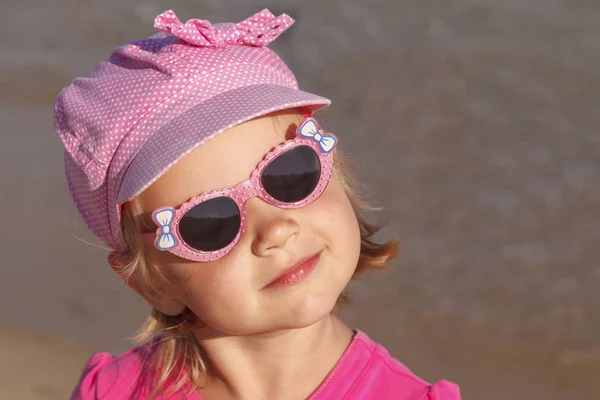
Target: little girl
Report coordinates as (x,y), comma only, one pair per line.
(196,158)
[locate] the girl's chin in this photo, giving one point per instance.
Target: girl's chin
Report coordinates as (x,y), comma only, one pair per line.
(298,319)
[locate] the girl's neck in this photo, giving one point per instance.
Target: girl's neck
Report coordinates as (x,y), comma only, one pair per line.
(285,364)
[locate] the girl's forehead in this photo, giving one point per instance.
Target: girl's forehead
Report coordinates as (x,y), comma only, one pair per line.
(223,161)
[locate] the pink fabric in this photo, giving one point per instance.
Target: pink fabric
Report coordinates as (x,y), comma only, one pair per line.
(258,30)
(366,371)
(157,99)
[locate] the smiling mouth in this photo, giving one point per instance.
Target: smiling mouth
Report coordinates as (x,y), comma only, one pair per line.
(296,273)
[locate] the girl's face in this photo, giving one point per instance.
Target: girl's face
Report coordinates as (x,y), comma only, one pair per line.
(231,294)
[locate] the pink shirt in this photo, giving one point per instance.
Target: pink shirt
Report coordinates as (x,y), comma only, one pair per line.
(366,371)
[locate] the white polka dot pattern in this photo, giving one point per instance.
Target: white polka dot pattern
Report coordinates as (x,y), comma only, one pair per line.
(258,30)
(156,99)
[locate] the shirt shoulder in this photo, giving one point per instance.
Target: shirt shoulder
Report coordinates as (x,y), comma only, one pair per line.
(108,377)
(394,380)
(368,371)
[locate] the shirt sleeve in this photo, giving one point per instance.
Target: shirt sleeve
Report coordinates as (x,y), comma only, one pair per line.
(87,388)
(443,390)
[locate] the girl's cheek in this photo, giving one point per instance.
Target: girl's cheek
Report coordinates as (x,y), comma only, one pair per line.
(336,204)
(333,217)
(174,274)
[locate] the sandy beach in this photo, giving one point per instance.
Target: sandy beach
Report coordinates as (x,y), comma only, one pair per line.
(475,124)
(37,366)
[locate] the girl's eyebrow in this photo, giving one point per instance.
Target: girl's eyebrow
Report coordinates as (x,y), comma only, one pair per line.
(290,132)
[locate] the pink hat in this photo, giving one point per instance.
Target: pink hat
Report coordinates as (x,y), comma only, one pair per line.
(157,99)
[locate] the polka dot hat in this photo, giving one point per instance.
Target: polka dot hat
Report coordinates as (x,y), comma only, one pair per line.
(156,99)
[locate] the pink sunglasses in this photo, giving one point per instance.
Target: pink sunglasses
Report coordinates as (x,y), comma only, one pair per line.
(208,226)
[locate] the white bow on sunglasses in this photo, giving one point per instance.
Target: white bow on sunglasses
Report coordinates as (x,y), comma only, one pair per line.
(166,239)
(310,129)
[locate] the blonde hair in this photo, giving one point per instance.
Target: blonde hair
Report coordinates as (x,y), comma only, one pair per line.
(174,356)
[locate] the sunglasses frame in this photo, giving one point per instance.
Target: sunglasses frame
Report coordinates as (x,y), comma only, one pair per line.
(168,218)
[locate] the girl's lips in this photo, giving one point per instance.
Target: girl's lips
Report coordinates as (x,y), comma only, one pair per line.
(296,273)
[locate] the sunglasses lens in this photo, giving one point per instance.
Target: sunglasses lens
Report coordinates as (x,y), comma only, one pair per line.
(211,225)
(292,176)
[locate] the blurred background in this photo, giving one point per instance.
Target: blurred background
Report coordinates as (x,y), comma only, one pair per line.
(474,122)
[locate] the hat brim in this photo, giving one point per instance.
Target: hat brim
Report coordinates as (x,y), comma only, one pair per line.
(202,122)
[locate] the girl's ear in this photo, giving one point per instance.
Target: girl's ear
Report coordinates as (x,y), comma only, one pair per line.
(117,263)
(164,303)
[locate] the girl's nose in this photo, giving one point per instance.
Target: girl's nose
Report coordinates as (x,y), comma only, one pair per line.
(272,227)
